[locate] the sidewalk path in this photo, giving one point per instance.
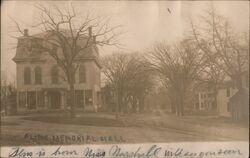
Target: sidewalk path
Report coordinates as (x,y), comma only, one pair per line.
(203,125)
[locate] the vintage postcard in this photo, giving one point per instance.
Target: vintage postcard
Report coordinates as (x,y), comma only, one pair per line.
(139,79)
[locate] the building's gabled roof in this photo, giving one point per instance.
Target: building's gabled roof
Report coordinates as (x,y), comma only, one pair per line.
(240,95)
(42,35)
(33,54)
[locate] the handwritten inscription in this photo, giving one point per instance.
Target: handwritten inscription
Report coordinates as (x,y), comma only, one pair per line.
(116,151)
(179,152)
(65,152)
(20,152)
(88,152)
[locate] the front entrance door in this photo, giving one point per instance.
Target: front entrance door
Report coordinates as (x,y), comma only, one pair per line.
(31,100)
(54,99)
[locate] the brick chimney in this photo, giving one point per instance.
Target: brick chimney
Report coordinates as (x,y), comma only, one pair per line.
(26,32)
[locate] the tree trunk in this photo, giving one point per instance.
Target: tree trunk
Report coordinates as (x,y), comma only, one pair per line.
(173,107)
(71,80)
(117,105)
(5,104)
(141,104)
(125,103)
(215,100)
(182,107)
(133,104)
(119,102)
(177,109)
(72,100)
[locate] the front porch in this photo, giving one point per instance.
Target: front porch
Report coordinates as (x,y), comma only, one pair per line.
(56,98)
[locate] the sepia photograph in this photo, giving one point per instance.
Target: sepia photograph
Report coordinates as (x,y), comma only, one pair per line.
(124,72)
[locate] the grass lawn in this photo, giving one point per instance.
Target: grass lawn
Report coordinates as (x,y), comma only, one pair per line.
(80,120)
(140,128)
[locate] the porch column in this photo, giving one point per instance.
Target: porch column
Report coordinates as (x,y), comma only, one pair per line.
(83,93)
(62,99)
(94,99)
(36,100)
(17,100)
(26,98)
(66,99)
(46,100)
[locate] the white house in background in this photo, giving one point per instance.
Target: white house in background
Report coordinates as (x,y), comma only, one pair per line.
(205,100)
(224,93)
(40,84)
(205,97)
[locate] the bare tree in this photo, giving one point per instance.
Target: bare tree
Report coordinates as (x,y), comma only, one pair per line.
(140,83)
(130,79)
(213,78)
(68,37)
(115,69)
(178,66)
(4,92)
(7,91)
(226,50)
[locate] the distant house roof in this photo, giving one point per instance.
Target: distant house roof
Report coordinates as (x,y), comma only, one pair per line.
(226,84)
(240,95)
(203,87)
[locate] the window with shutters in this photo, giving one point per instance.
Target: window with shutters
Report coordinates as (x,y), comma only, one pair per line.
(54,75)
(27,76)
(82,74)
(38,75)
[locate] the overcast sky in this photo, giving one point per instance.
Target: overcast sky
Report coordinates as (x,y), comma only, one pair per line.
(145,22)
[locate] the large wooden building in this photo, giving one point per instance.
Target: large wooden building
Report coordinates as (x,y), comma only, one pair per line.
(40,81)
